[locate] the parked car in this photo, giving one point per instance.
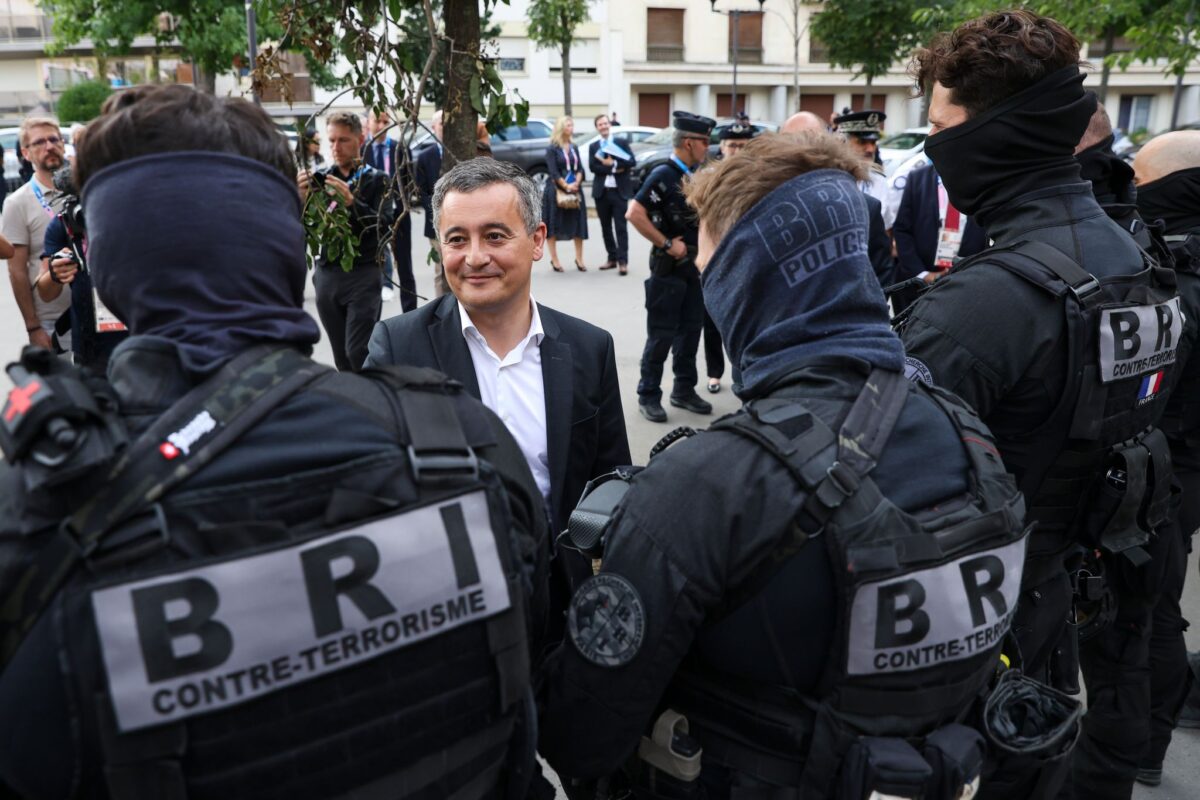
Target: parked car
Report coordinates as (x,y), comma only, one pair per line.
(634,134)
(523,145)
(12,167)
(657,149)
(894,150)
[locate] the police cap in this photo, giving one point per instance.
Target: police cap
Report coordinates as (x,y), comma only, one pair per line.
(738,130)
(866,125)
(693,123)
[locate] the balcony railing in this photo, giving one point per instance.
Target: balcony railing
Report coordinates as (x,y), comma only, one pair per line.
(16,28)
(664,52)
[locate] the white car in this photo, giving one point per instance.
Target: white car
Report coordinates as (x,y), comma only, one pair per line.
(898,148)
(634,134)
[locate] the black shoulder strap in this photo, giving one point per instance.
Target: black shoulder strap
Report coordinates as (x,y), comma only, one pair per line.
(831,475)
(223,408)
(1081,283)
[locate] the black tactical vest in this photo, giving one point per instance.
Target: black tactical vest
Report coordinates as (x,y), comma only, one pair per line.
(1179,420)
(356,631)
(1108,485)
(924,603)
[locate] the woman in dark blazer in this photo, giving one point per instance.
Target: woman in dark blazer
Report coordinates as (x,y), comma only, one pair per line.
(565,169)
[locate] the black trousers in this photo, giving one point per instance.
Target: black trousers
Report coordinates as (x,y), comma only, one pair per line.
(610,208)
(348,304)
(674,319)
(714,354)
(1170,675)
(402,259)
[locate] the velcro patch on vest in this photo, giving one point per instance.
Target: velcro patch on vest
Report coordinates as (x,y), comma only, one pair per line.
(203,639)
(935,616)
(1138,339)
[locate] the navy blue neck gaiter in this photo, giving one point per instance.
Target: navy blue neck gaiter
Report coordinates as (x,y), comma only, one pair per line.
(791,283)
(204,249)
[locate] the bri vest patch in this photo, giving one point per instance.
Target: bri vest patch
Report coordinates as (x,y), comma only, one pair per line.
(1138,339)
(207,638)
(935,616)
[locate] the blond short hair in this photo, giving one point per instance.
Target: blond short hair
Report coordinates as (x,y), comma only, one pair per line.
(560,126)
(723,193)
(29,123)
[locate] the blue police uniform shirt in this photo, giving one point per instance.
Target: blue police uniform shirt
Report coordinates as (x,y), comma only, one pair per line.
(661,194)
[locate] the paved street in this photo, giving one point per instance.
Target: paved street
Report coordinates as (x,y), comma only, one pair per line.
(615,303)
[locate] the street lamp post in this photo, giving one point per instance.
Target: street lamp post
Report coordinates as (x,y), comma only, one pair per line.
(735,15)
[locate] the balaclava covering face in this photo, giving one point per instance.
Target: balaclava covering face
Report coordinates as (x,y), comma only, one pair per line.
(1023,144)
(791,282)
(1174,198)
(205,249)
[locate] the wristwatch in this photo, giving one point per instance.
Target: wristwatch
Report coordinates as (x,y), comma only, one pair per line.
(666,245)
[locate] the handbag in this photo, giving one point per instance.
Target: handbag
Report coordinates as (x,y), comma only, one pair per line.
(566,199)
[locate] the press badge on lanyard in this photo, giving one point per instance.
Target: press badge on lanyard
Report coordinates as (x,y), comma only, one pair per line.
(950,235)
(106,321)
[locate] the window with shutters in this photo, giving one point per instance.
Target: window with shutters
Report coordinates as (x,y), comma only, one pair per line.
(748,25)
(664,34)
(512,54)
(818,51)
(585,58)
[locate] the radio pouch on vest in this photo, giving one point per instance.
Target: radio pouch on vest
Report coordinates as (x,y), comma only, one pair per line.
(194,430)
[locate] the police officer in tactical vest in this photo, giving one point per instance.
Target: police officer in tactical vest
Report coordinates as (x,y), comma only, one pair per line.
(809,599)
(1167,171)
(674,305)
(1064,337)
(228,571)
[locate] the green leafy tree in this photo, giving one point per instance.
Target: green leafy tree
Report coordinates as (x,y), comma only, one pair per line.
(867,36)
(211,33)
(81,102)
(416,35)
(552,25)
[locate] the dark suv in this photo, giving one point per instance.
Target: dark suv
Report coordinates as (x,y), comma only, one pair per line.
(656,150)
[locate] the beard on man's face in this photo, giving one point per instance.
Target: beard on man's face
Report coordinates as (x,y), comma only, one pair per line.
(49,161)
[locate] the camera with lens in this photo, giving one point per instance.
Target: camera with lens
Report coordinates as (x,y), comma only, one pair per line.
(70,209)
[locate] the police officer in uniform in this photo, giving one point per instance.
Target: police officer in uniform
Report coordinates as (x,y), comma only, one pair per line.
(862,130)
(1167,171)
(1019,333)
(674,306)
(243,574)
(695,607)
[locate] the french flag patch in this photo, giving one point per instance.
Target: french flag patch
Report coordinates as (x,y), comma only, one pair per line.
(1150,386)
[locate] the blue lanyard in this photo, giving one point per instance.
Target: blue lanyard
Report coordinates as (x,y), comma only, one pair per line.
(681,165)
(41,198)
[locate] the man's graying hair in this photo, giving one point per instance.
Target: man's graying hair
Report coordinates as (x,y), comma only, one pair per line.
(470,176)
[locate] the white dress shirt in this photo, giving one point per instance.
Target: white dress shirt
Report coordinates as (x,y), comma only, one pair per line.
(513,388)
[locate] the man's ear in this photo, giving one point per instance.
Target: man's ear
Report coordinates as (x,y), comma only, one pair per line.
(539,240)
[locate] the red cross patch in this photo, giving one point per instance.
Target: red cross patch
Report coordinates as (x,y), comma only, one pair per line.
(20,400)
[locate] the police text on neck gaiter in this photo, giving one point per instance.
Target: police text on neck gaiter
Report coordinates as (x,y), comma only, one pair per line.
(205,249)
(1023,144)
(1175,199)
(791,283)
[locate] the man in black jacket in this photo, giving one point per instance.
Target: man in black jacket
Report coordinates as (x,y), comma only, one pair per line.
(347,284)
(265,624)
(551,377)
(385,154)
(609,160)
(1006,332)
(1167,172)
(722,537)
(428,170)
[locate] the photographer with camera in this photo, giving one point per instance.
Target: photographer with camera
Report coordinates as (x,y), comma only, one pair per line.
(95,331)
(348,299)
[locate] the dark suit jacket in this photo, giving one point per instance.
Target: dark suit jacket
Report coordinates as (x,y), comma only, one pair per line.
(600,170)
(585,426)
(879,246)
(918,222)
(429,169)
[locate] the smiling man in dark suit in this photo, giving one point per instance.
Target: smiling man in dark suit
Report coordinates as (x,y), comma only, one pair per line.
(551,377)
(611,189)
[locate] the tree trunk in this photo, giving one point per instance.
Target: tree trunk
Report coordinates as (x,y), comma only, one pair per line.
(460,119)
(867,94)
(206,80)
(155,75)
(1106,69)
(566,69)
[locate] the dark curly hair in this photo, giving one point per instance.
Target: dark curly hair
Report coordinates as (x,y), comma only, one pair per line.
(163,119)
(987,60)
